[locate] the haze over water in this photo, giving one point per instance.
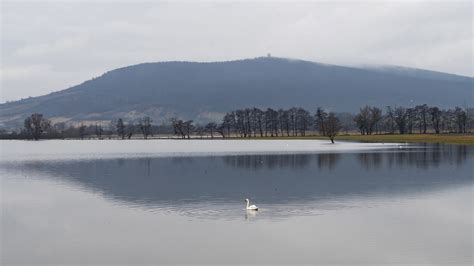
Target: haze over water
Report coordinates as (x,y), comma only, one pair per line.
(172,201)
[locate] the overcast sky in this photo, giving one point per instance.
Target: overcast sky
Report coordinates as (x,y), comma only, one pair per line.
(49,46)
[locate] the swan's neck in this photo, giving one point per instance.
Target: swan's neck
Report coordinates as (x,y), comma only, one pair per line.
(248,202)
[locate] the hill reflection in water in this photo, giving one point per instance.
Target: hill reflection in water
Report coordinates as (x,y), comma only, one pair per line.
(303,181)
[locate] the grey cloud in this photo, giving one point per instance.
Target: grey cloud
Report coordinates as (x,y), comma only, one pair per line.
(62,44)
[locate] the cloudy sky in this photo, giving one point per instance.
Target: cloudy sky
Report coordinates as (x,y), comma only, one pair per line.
(49,46)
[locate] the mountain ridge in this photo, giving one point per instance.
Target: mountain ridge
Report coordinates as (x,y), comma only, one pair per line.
(205,90)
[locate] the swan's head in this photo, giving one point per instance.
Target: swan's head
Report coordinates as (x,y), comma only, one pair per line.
(246,200)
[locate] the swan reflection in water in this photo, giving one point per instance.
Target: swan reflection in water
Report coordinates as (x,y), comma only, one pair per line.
(250,214)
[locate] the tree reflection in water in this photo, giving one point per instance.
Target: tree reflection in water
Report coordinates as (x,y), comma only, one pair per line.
(270,178)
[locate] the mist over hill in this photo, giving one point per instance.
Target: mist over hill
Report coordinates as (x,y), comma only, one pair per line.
(204,91)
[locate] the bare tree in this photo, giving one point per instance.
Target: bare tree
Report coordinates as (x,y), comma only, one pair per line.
(35,125)
(82,131)
(240,123)
(188,128)
(367,120)
(271,122)
(145,126)
(258,118)
(362,120)
(321,117)
(228,122)
(435,118)
(400,117)
(120,128)
(470,118)
(292,115)
(411,119)
(211,128)
(422,116)
(247,122)
(375,118)
(179,127)
(303,119)
(447,121)
(221,130)
(98,131)
(28,127)
(461,119)
(200,131)
(130,130)
(284,122)
(390,120)
(332,126)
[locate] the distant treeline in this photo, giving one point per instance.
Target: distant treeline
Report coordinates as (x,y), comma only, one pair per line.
(255,122)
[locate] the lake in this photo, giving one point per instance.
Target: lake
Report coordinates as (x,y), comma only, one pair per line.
(182,201)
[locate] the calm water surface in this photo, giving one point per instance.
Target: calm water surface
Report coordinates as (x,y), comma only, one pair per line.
(132,202)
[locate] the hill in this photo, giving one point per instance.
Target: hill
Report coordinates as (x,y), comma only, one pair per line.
(203,91)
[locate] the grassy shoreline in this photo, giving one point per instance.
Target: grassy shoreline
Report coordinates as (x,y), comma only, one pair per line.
(465,139)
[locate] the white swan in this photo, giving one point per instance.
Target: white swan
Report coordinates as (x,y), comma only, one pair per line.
(251,207)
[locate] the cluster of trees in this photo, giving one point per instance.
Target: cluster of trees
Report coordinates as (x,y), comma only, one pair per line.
(296,121)
(252,122)
(127,130)
(35,125)
(421,119)
(255,122)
